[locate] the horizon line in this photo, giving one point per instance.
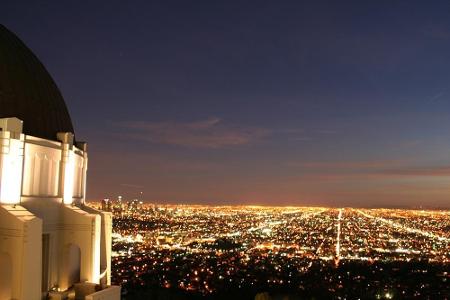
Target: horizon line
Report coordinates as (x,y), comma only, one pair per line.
(414,207)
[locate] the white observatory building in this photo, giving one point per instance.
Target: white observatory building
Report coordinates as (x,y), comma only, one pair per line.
(52,246)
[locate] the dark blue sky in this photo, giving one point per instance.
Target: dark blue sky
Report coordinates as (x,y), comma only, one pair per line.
(262,102)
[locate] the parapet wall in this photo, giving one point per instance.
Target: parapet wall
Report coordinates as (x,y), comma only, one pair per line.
(32,167)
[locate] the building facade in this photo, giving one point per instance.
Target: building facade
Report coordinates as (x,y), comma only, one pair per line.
(52,246)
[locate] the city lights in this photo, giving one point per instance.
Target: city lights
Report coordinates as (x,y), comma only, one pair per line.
(206,249)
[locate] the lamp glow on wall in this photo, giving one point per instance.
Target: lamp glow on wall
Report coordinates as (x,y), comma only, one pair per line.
(69,178)
(11,172)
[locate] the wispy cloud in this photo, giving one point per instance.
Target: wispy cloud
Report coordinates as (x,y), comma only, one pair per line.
(302,135)
(383,169)
(208,133)
(433,171)
(134,186)
(346,165)
(301,139)
(326,131)
(437,96)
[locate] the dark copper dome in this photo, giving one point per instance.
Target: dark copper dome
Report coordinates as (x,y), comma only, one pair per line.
(28,92)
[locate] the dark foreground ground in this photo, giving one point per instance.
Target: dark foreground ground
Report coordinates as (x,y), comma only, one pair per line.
(351,280)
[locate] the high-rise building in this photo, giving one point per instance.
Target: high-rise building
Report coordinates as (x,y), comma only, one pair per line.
(52,246)
(106,205)
(133,206)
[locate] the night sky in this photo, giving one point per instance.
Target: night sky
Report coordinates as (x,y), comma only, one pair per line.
(253,102)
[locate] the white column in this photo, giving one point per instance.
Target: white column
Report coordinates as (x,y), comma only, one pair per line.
(67,167)
(11,160)
(83,146)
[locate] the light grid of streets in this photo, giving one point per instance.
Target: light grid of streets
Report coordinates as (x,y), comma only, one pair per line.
(209,248)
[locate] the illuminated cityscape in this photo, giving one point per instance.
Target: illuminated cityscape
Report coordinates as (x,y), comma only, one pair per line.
(210,250)
(212,150)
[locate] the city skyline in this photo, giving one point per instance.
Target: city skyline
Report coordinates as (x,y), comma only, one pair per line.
(320,104)
(203,252)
